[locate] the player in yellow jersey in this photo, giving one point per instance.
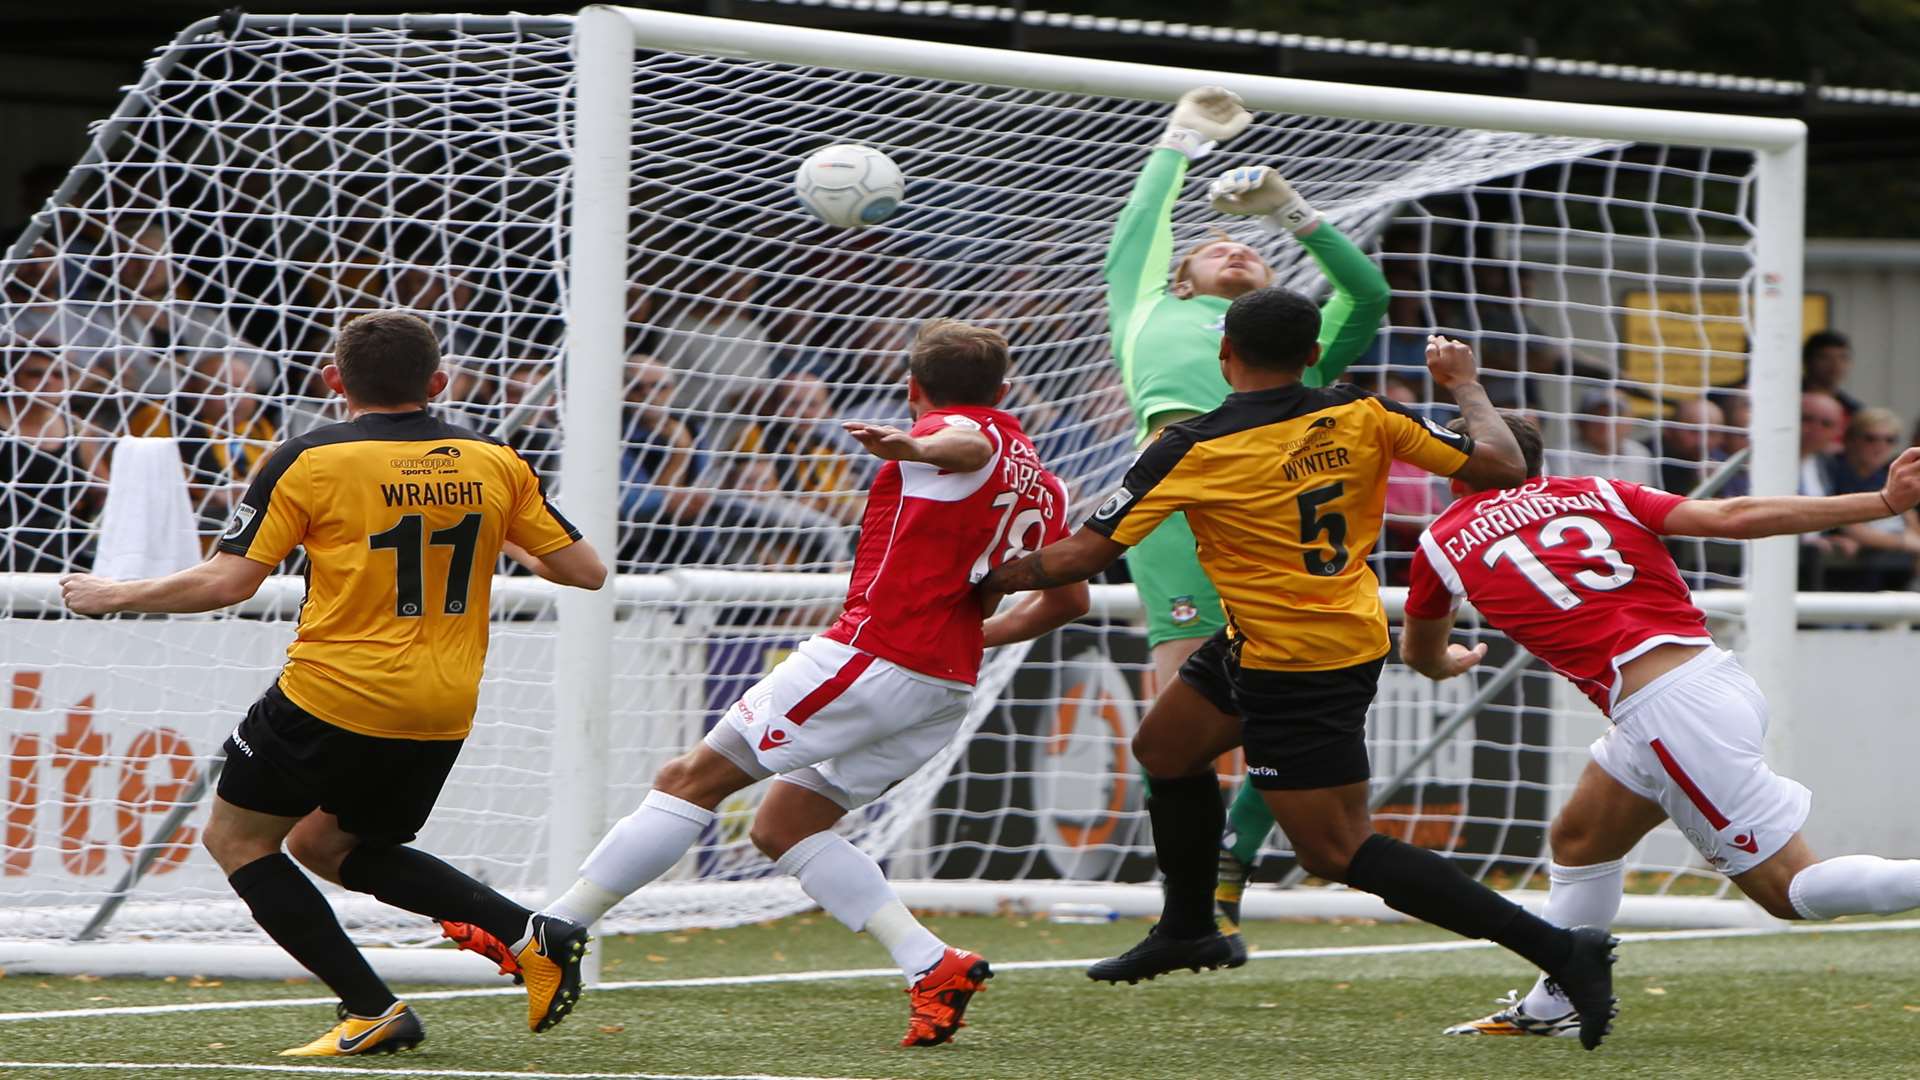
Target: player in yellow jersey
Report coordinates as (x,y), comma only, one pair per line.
(403,517)
(1284,485)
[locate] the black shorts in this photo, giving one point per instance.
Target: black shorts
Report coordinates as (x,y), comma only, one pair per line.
(285,761)
(1298,729)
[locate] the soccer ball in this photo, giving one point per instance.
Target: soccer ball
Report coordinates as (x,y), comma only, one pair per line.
(849,185)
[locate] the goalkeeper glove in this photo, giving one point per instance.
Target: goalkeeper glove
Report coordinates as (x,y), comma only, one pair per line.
(1202,119)
(1256,190)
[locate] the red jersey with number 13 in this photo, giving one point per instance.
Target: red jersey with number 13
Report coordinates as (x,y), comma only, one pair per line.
(928,536)
(1570,567)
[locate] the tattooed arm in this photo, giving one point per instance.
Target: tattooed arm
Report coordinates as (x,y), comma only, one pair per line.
(1076,558)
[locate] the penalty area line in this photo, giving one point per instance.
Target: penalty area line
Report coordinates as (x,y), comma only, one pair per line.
(844,974)
(361,1070)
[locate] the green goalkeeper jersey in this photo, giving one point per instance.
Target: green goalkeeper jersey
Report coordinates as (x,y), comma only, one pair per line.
(1168,349)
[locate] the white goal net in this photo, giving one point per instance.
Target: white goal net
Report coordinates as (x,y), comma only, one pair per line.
(266,179)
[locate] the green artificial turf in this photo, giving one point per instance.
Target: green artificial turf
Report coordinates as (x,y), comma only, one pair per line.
(1817,1005)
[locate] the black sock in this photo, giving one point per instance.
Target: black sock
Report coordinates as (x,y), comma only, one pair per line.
(296,916)
(1187,818)
(412,880)
(1423,884)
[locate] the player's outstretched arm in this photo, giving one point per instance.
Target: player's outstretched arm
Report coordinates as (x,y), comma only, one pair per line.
(1754,516)
(577,564)
(1142,241)
(954,449)
(1076,558)
(1037,614)
(220,581)
(1496,461)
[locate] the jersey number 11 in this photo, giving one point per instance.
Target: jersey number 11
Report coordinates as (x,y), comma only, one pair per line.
(410,558)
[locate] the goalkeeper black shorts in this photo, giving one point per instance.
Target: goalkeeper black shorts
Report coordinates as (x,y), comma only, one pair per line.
(285,761)
(1299,730)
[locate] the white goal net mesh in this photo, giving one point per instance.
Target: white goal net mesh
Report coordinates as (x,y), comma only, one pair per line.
(265,184)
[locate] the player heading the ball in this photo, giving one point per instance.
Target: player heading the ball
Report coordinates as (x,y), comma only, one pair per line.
(1572,569)
(864,705)
(344,756)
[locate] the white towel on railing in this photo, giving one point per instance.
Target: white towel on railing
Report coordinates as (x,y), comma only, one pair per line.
(147,527)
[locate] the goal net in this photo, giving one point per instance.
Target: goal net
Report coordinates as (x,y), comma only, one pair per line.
(271,176)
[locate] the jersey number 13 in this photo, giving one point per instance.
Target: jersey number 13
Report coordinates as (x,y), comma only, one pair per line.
(1598,545)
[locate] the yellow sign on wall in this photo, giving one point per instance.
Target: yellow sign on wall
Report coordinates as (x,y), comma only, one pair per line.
(1687,340)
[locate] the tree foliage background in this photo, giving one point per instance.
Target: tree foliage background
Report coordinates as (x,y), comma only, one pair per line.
(1862,43)
(1854,42)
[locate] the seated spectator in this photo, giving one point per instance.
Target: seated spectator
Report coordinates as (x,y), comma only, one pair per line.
(43,303)
(708,336)
(1825,361)
(1821,421)
(660,473)
(1601,444)
(677,506)
(1412,314)
(537,438)
(167,323)
(1692,448)
(801,451)
(1886,548)
(55,468)
(1690,444)
(470,398)
(221,420)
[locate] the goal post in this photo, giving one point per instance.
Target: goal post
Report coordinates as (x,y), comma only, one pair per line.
(562,195)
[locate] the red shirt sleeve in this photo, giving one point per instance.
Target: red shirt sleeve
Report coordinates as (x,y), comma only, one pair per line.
(1427,596)
(1650,505)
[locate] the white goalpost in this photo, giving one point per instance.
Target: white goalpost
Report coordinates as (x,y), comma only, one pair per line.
(602,200)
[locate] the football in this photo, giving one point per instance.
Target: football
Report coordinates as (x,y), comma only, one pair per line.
(849,185)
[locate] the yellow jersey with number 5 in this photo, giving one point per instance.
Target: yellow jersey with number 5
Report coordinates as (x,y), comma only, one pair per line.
(1285,490)
(402,516)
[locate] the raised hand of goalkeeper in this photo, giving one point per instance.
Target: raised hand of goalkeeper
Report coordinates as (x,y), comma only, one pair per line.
(1260,191)
(1203,118)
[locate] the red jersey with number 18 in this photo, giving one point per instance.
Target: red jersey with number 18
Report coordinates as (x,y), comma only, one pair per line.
(1570,567)
(928,536)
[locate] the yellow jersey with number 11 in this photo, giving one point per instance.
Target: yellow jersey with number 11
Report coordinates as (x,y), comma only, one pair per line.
(402,516)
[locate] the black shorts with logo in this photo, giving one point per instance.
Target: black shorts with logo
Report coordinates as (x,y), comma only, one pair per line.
(285,761)
(1298,729)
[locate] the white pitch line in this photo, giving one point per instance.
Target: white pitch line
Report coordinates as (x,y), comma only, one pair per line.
(344,1070)
(1307,953)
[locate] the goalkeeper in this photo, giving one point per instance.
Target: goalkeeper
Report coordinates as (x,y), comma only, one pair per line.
(1166,339)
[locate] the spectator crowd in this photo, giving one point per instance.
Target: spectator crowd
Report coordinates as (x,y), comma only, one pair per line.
(732,453)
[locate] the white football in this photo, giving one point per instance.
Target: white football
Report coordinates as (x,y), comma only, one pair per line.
(850,186)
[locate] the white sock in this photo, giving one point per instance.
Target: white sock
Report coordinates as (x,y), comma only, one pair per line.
(1580,896)
(1855,885)
(848,885)
(640,847)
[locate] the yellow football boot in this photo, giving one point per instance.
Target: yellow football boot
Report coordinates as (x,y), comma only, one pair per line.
(399,1028)
(550,964)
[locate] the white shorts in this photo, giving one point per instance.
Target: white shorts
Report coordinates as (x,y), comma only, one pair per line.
(841,722)
(1693,740)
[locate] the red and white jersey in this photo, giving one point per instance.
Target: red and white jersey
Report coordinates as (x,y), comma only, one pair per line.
(1570,567)
(929,536)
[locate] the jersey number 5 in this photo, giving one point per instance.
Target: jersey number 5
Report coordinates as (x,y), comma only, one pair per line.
(1313,523)
(1599,545)
(409,558)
